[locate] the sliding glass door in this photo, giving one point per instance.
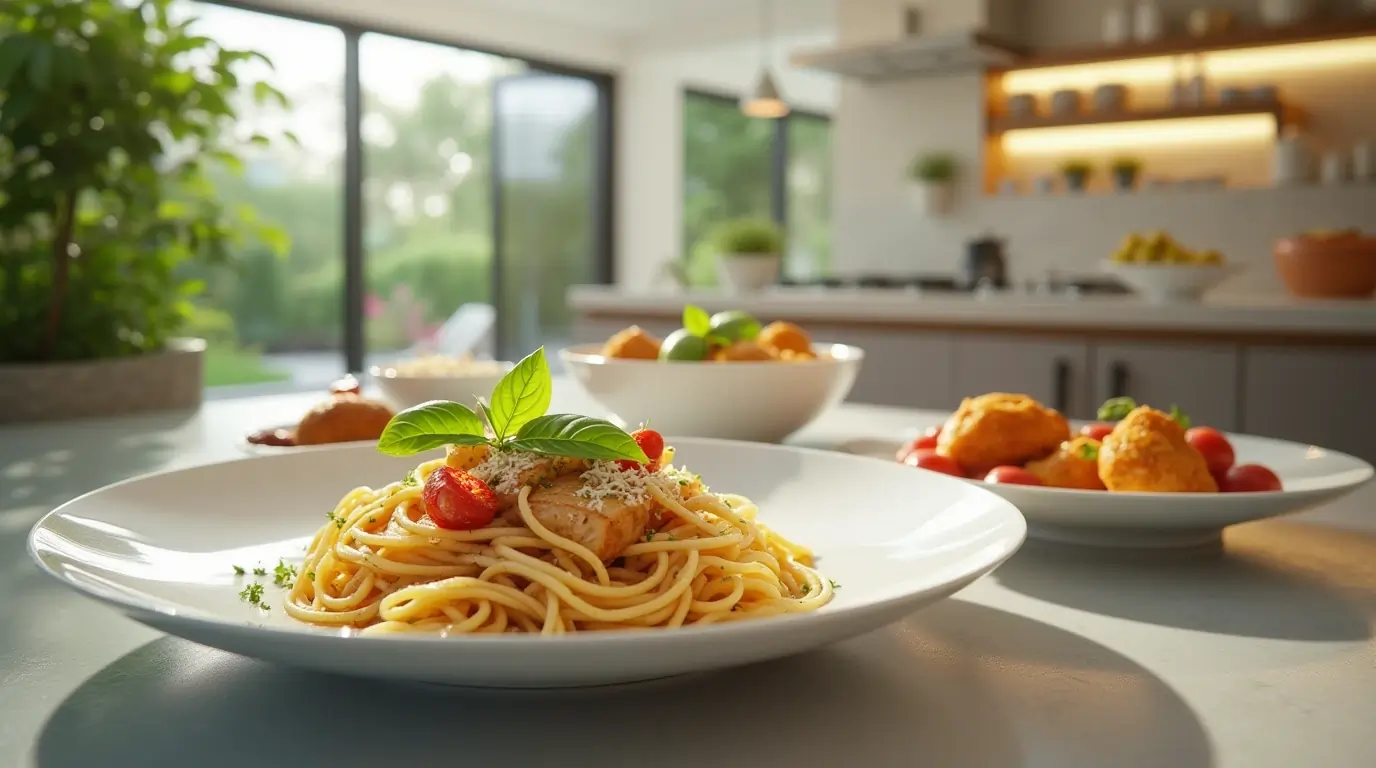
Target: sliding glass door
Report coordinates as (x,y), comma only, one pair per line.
(551,203)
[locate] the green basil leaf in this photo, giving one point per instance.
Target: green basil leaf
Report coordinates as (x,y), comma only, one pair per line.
(1180,417)
(523,394)
(1089,451)
(487,412)
(428,426)
(1116,409)
(578,437)
(696,320)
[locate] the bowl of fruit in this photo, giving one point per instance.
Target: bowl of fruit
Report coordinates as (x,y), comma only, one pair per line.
(725,375)
(1161,270)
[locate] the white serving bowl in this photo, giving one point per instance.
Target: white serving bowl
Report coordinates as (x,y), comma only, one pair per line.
(402,389)
(760,402)
(1167,283)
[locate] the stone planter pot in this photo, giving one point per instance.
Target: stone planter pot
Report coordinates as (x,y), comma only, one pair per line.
(1124,180)
(743,273)
(172,379)
(1076,182)
(933,198)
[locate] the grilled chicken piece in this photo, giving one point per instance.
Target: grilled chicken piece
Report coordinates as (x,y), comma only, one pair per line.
(1147,451)
(1001,429)
(1074,465)
(606,532)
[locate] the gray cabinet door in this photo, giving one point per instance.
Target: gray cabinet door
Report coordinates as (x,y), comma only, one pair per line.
(1312,395)
(910,369)
(1054,371)
(1202,379)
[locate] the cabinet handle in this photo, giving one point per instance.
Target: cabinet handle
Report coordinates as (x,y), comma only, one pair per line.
(1062,385)
(1118,380)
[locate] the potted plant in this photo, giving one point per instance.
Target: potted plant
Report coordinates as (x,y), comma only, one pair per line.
(111,117)
(749,253)
(1125,172)
(1077,173)
(933,177)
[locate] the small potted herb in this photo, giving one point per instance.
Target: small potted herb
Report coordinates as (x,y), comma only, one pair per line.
(749,253)
(1077,174)
(933,177)
(1125,172)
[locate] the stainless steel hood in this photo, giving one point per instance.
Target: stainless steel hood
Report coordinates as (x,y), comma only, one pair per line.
(916,56)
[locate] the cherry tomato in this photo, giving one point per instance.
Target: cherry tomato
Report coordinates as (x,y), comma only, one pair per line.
(1214,447)
(934,462)
(1098,430)
(1011,476)
(458,501)
(921,443)
(652,443)
(1250,478)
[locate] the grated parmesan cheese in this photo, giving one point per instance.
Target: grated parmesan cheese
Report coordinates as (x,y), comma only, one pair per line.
(502,470)
(607,480)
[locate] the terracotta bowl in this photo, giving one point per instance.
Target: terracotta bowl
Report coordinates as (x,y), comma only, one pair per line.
(1341,267)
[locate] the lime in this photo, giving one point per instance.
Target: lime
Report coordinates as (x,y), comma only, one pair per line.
(683,346)
(734,325)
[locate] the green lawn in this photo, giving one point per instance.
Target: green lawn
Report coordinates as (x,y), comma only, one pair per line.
(228,366)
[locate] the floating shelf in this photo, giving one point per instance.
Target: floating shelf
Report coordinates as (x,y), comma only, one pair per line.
(915,56)
(1245,37)
(1283,116)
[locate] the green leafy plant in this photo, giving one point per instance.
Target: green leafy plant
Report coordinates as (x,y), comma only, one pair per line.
(517,419)
(749,237)
(934,168)
(111,115)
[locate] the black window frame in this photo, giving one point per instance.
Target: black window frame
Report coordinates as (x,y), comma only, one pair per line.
(778,151)
(355,159)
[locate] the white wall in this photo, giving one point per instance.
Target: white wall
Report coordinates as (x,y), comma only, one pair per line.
(650,134)
(879,127)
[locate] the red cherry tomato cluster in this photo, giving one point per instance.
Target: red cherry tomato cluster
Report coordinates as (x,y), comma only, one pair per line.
(1218,453)
(652,443)
(458,501)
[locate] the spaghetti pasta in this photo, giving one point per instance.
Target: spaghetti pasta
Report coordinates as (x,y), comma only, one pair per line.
(381,565)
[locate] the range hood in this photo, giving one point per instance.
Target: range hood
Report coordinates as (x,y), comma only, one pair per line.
(915,56)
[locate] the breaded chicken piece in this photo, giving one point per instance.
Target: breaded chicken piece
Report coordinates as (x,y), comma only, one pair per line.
(606,531)
(1074,465)
(786,337)
(341,419)
(1000,429)
(632,344)
(1147,451)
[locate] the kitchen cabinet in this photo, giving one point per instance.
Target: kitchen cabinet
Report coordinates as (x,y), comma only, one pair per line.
(912,370)
(1202,379)
(1052,370)
(1321,396)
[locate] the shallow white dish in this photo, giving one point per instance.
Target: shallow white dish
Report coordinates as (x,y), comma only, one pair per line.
(402,390)
(763,402)
(893,539)
(1170,283)
(1310,476)
(254,449)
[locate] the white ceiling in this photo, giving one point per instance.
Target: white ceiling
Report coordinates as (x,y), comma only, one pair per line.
(735,18)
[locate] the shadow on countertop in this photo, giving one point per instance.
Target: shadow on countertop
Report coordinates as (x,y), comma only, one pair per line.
(959,684)
(1276,580)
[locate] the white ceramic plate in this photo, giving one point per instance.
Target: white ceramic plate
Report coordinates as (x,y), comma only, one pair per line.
(254,449)
(894,539)
(1310,475)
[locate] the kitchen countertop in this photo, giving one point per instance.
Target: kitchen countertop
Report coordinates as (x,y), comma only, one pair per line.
(1258,656)
(1354,319)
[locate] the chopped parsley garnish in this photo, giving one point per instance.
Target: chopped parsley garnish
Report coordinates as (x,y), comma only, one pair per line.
(807,588)
(260,571)
(336,519)
(672,537)
(372,520)
(834,585)
(253,595)
(410,479)
(238,570)
(310,575)
(1089,451)
(283,574)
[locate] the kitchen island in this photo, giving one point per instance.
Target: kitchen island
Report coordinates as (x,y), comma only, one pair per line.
(1273,366)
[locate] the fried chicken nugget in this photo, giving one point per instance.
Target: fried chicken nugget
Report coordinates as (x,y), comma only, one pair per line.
(342,419)
(1147,451)
(1000,429)
(1074,465)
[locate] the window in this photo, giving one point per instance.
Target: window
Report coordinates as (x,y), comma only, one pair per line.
(740,167)
(406,134)
(280,317)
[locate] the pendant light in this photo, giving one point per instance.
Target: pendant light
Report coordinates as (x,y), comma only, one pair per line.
(765,100)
